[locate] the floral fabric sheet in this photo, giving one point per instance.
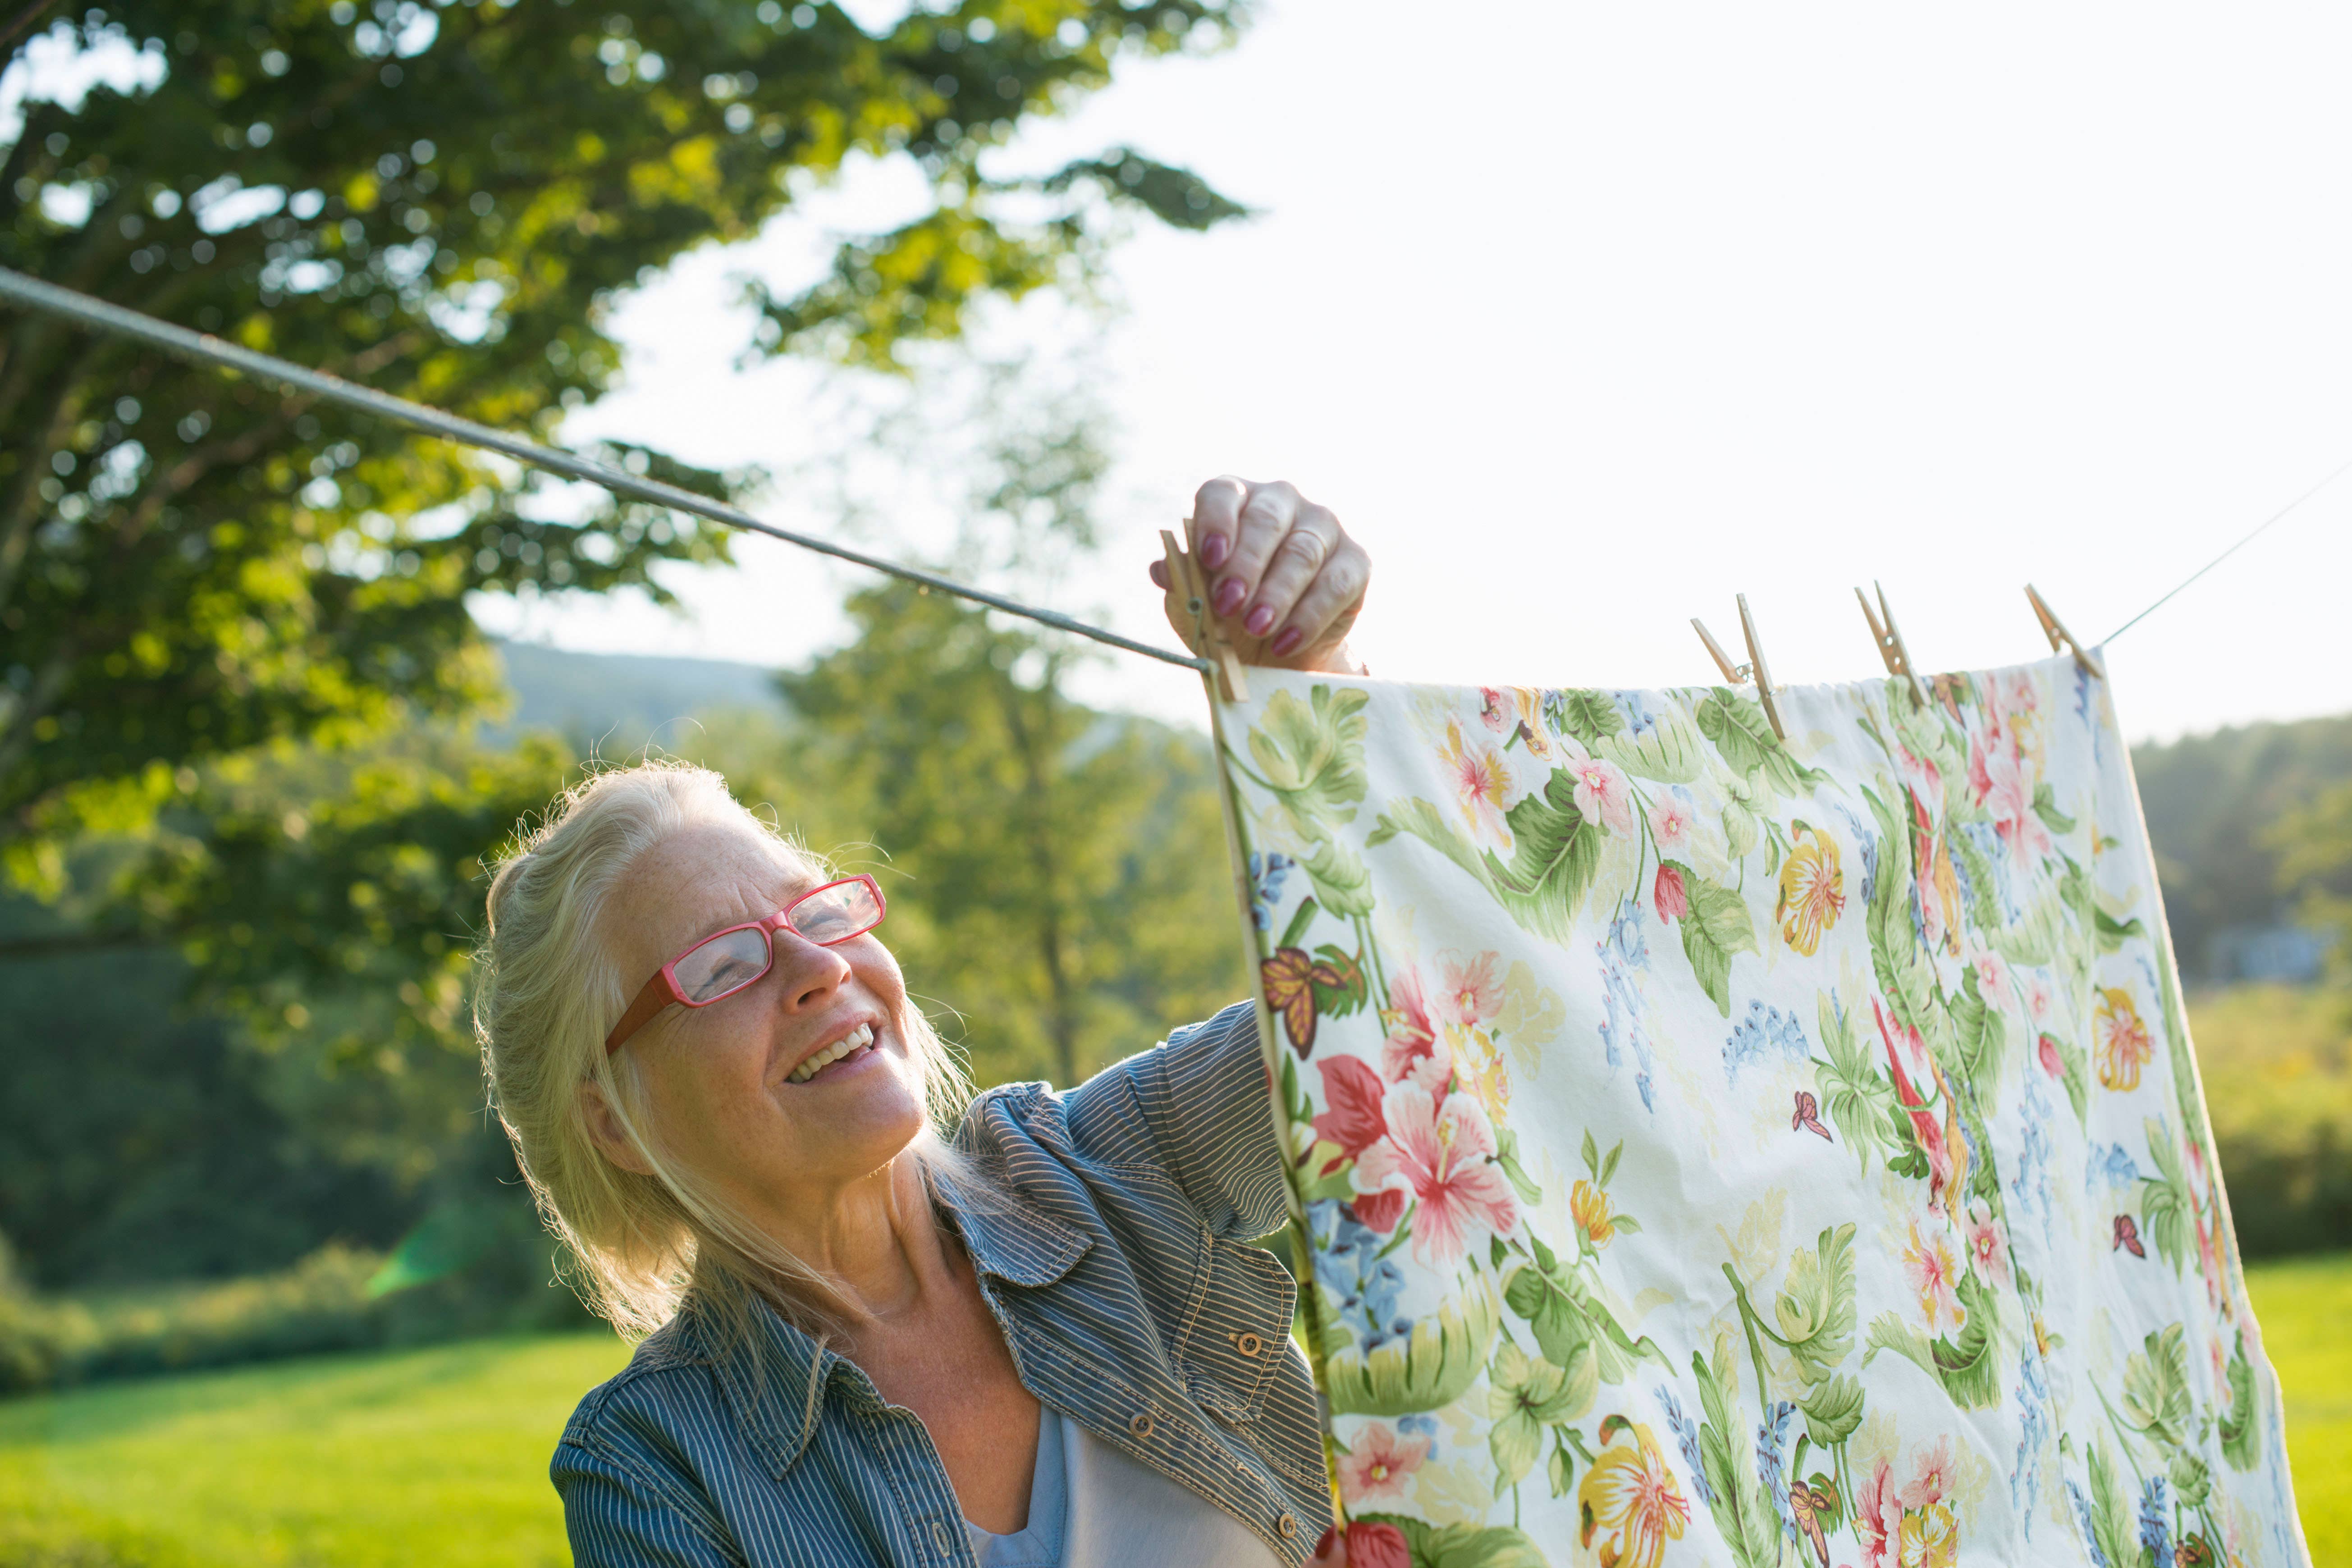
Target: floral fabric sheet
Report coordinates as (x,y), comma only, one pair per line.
(1717,1150)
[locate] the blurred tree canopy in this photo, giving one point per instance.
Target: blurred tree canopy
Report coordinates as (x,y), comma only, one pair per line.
(442,200)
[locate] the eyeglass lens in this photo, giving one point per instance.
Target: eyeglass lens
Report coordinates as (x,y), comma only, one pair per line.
(724,963)
(835,913)
(729,962)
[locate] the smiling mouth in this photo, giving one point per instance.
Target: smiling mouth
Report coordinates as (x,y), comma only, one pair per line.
(849,1044)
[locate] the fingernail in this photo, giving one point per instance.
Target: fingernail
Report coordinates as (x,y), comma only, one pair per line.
(1213,551)
(1159,571)
(1260,622)
(1230,594)
(1288,643)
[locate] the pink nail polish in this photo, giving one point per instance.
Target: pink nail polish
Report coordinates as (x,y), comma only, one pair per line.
(1260,622)
(1230,594)
(1288,643)
(1213,551)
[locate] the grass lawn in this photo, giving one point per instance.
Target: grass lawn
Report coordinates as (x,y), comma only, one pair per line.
(439,1456)
(2305,1308)
(403,1457)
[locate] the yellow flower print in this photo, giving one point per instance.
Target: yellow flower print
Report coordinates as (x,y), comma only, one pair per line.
(1629,1499)
(2123,1039)
(1929,1538)
(1593,1210)
(1812,890)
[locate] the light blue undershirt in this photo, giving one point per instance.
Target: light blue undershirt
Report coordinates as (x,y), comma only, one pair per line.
(1091,1506)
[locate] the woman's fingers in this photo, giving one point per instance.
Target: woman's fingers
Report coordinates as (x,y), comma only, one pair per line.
(1285,582)
(1326,611)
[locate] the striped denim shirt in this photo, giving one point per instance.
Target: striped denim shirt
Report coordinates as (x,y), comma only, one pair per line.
(1125,1290)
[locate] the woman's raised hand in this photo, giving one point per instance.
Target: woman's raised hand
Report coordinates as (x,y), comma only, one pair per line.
(1284,580)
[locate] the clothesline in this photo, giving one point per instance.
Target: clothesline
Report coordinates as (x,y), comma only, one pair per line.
(204,347)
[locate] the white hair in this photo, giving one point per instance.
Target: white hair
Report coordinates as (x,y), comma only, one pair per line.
(548,995)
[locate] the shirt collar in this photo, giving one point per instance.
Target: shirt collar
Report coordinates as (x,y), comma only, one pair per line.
(768,1382)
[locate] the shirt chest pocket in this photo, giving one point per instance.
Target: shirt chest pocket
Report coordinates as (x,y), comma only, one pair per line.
(1239,1332)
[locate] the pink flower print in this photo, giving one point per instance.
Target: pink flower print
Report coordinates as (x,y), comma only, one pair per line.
(1931,1482)
(1992,978)
(1441,1148)
(1379,1211)
(1671,816)
(2010,801)
(1671,896)
(1380,1462)
(2051,1061)
(1877,1517)
(2040,995)
(1602,793)
(1481,782)
(1987,1247)
(1473,992)
(1494,709)
(1410,1037)
(1353,1093)
(1934,1270)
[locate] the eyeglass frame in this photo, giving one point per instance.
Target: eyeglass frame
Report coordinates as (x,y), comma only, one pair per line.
(659,993)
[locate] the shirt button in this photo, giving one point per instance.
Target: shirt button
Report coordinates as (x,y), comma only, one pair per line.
(1287,1525)
(940,1538)
(1249,1345)
(1141,1425)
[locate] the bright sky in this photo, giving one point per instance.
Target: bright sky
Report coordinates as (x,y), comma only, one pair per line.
(1586,317)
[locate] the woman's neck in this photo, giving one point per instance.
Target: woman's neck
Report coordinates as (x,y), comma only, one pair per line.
(880,1243)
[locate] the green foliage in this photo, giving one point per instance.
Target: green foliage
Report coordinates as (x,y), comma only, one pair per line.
(443,201)
(1815,1310)
(2277,1070)
(2156,1400)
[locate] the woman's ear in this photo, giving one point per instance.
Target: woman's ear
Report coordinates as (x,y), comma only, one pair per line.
(611,1139)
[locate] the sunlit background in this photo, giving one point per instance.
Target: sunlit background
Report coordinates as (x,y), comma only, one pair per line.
(1586,319)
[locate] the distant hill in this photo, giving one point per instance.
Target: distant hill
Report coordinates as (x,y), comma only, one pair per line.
(622,702)
(2209,798)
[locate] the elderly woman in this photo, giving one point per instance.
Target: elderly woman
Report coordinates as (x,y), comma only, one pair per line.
(885,1326)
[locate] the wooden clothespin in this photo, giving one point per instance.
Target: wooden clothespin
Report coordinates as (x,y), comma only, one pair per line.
(2055,630)
(1889,639)
(1740,674)
(1184,578)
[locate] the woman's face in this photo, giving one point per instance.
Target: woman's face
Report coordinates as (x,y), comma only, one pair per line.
(719,1080)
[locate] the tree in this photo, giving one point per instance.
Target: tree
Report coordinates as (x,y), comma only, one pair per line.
(442,200)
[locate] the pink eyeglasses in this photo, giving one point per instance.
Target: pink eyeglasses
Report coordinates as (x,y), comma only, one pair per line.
(724,963)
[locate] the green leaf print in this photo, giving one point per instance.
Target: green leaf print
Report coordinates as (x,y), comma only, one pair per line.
(1523,1396)
(1311,757)
(1743,737)
(2156,1388)
(1749,1525)
(1554,854)
(2240,1429)
(1460,1545)
(2045,807)
(2113,933)
(2191,1477)
(1340,881)
(2074,1073)
(1968,1367)
(2164,1201)
(2111,1512)
(1979,1031)
(1589,716)
(1717,926)
(1815,1307)
(1832,1411)
(1669,751)
(1853,1090)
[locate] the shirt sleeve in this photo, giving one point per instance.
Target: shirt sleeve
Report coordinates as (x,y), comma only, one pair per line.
(616,1518)
(1198,1107)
